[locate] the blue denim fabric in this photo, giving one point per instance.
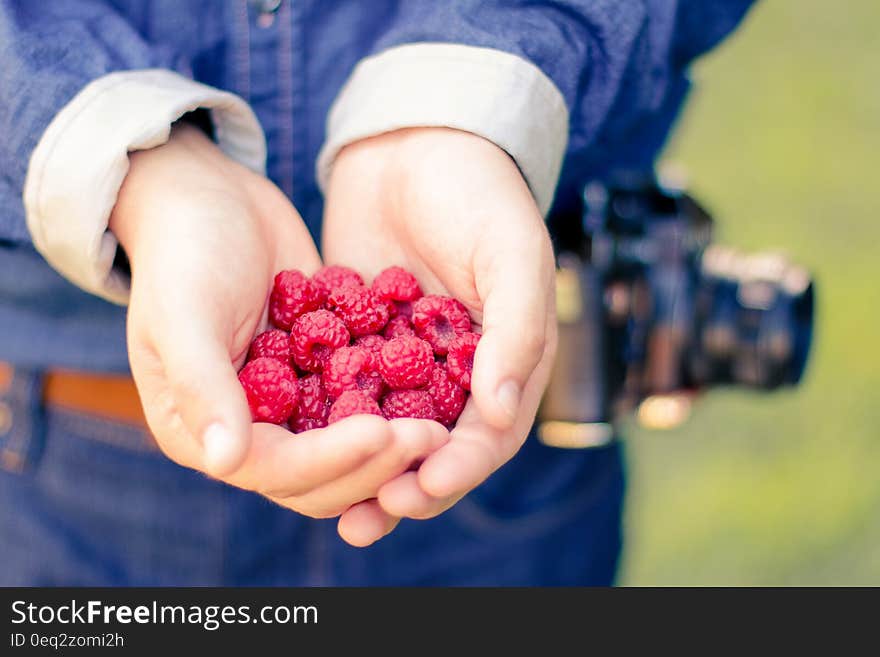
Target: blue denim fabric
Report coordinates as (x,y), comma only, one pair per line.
(620,64)
(85,501)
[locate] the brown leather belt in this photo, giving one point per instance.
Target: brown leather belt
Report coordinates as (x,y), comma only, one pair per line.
(111,397)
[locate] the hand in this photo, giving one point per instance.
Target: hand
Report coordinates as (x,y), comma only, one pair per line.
(454,209)
(205,238)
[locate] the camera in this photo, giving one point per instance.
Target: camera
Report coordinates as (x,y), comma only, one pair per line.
(651,311)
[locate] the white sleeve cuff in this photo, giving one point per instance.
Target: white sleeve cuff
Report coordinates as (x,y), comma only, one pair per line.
(491,93)
(78,166)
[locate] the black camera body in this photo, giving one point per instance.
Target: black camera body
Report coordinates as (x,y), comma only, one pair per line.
(650,310)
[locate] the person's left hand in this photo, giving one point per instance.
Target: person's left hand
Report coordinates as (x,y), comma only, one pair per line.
(452,208)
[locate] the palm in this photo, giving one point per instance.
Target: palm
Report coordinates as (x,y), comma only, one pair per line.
(376,240)
(231,279)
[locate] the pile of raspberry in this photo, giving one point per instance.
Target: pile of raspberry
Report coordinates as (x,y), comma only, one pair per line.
(340,347)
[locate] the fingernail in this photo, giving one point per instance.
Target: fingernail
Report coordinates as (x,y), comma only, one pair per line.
(508,398)
(221,449)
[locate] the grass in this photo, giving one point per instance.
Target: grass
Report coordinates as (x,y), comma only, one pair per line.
(782,141)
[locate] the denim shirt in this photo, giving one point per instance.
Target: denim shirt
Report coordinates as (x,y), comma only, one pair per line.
(619,65)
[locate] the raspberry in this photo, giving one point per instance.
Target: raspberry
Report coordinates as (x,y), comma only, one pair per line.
(271,389)
(398,288)
(332,277)
(396,284)
(358,345)
(408,403)
(293,294)
(448,396)
(402,309)
(406,362)
(359,307)
(460,359)
(352,402)
(314,336)
(438,319)
(313,405)
(273,343)
(353,368)
(398,326)
(372,343)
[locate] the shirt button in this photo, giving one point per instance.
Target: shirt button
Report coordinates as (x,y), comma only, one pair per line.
(266,11)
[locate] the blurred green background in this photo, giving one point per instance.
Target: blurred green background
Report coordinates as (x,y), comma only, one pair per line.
(781,140)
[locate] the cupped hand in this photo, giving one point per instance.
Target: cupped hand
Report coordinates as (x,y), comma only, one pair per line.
(205,237)
(454,209)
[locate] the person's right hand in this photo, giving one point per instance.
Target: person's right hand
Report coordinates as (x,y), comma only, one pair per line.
(205,237)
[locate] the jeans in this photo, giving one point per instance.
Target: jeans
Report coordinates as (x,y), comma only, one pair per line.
(87,501)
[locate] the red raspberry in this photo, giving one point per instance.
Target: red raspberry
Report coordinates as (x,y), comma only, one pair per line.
(352,402)
(359,307)
(402,309)
(408,403)
(398,288)
(332,277)
(449,397)
(314,336)
(313,405)
(292,295)
(372,343)
(271,389)
(438,319)
(461,308)
(398,326)
(273,343)
(406,362)
(396,284)
(460,359)
(353,368)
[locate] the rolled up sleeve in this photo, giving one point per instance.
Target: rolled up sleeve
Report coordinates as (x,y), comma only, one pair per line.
(79,89)
(81,160)
(497,95)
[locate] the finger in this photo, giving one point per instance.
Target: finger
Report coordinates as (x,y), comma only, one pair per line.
(296,249)
(476,449)
(160,409)
(206,393)
(413,441)
(518,299)
(403,497)
(365,523)
(280,464)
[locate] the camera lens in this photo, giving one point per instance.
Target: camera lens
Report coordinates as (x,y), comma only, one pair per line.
(754,318)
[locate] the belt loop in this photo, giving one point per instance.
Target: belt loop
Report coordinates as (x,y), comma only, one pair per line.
(22,421)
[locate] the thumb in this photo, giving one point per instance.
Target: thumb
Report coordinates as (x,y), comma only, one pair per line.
(517,301)
(208,396)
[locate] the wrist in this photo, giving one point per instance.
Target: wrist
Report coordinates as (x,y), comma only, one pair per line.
(188,161)
(417,143)
(418,154)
